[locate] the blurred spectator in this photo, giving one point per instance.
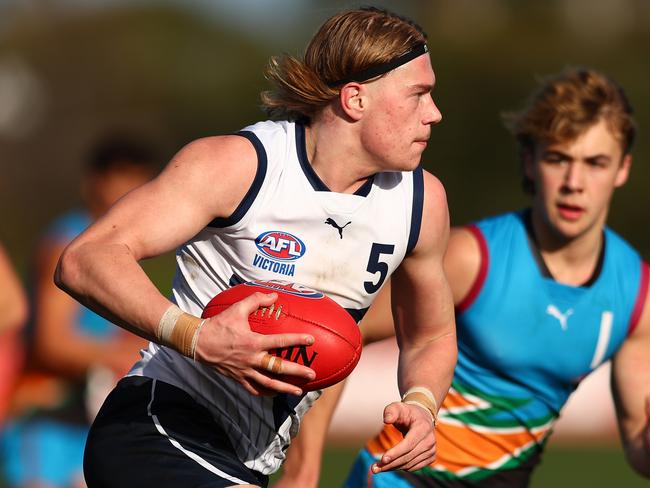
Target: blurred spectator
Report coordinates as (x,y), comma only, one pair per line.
(13,313)
(74,356)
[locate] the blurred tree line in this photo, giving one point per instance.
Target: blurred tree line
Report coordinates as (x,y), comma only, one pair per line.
(172,72)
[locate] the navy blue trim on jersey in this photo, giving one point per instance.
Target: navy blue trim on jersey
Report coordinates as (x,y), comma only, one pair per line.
(252,192)
(416,213)
(527,217)
(357,314)
(315,181)
(284,405)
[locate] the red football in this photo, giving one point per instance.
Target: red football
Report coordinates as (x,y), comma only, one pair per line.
(337,340)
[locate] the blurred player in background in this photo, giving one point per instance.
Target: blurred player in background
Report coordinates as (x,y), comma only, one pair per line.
(543,297)
(13,314)
(201,408)
(71,350)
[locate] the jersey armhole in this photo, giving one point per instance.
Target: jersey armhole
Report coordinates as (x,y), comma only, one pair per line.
(640,297)
(252,192)
(416,211)
(477,286)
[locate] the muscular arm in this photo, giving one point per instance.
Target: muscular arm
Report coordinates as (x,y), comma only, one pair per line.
(462,262)
(423,311)
(631,390)
(205,180)
(100,268)
(58,345)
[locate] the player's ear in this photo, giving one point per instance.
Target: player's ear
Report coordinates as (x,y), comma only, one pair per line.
(623,171)
(353,100)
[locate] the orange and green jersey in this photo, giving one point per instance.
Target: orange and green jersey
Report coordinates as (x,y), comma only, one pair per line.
(524,343)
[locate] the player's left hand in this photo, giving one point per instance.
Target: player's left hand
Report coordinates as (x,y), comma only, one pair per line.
(418,448)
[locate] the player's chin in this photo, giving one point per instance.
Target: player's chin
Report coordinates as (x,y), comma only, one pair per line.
(411,164)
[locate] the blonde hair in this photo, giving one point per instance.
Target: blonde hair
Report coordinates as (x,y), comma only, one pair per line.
(347,43)
(565,106)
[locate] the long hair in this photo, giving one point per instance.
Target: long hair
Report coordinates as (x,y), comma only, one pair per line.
(347,43)
(565,106)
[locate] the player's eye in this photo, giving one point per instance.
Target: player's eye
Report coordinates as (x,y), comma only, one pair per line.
(599,162)
(554,158)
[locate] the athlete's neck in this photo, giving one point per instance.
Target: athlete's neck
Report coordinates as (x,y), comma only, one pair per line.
(571,261)
(332,155)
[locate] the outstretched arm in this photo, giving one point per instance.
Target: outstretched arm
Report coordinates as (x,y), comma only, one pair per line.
(423,310)
(631,390)
(205,180)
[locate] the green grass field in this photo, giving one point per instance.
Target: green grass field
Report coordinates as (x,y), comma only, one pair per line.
(562,467)
(570,467)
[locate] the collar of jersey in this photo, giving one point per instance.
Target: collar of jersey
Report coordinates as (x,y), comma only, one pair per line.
(527,218)
(316,183)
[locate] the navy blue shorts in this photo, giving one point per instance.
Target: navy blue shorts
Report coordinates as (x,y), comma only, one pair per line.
(151,434)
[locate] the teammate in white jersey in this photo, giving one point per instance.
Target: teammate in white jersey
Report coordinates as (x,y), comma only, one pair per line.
(339,181)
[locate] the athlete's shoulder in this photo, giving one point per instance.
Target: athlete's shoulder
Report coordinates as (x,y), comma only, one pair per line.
(513,219)
(271,127)
(216,172)
(217,156)
(434,192)
(618,244)
(429,231)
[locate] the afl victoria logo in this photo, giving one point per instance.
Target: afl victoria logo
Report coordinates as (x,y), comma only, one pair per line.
(287,287)
(280,246)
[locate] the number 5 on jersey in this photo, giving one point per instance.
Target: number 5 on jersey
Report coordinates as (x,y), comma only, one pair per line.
(376,265)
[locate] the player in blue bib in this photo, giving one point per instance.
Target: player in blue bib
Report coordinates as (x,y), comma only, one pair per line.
(543,297)
(69,347)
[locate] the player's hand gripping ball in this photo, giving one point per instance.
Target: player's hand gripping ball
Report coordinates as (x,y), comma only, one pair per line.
(337,341)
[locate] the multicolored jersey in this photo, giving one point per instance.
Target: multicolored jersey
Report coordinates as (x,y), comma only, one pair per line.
(288,227)
(43,443)
(524,343)
(69,405)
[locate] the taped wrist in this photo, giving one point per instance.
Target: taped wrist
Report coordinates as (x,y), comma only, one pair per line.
(421,396)
(179,330)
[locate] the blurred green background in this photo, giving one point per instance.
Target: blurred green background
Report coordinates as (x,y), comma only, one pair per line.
(596,466)
(172,71)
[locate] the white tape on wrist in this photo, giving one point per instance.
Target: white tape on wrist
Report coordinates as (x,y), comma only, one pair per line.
(195,339)
(179,330)
(167,323)
(421,396)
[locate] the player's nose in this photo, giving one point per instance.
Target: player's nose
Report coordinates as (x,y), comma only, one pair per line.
(574,176)
(433,115)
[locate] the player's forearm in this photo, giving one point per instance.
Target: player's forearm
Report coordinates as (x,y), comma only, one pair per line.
(118,289)
(430,365)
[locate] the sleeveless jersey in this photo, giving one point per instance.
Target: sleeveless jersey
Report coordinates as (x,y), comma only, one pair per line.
(290,227)
(524,343)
